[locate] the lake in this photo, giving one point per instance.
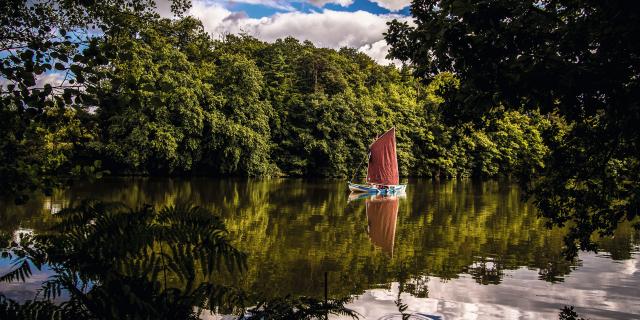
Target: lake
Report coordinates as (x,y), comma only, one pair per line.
(449,250)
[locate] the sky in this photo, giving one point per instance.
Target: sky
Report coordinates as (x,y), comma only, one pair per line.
(327,23)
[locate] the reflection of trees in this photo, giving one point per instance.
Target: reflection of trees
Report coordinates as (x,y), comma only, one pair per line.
(118,263)
(294,231)
(417,287)
(464,226)
(623,241)
(485,272)
(36,213)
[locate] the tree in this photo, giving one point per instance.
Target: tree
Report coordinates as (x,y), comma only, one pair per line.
(43,59)
(568,59)
(150,102)
(158,96)
(239,138)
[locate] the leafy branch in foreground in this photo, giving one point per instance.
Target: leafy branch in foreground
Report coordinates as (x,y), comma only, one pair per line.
(31,310)
(299,308)
(114,262)
(25,255)
(148,263)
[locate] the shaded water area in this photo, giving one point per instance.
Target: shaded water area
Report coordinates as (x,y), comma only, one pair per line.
(451,250)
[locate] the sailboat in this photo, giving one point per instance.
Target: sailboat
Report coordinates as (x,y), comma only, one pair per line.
(382,173)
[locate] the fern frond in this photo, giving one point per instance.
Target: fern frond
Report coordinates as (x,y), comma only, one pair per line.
(21,271)
(299,308)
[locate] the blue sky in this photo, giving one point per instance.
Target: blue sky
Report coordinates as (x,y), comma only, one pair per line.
(260,9)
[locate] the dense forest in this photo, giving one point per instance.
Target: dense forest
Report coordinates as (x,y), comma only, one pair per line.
(167,99)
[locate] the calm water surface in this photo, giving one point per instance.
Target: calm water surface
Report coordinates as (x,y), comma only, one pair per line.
(455,250)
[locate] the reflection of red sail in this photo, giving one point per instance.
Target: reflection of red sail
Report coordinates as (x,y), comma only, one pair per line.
(381,214)
(383,162)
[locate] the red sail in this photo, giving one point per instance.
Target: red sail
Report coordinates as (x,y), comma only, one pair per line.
(383,163)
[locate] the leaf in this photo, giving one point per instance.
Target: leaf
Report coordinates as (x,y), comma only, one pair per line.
(29,79)
(38,69)
(59,66)
(75,68)
(27,55)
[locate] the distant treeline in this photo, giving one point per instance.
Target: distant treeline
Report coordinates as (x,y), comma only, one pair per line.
(169,99)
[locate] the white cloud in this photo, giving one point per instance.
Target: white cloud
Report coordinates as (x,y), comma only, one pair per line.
(378,52)
(277,4)
(216,19)
(163,7)
(327,28)
(285,5)
(393,5)
(321,3)
(53,78)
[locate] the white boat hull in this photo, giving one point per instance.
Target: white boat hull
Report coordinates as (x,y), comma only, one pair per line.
(363,188)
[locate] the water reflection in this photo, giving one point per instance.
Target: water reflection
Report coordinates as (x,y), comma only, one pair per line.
(382,213)
(600,290)
(479,234)
(119,263)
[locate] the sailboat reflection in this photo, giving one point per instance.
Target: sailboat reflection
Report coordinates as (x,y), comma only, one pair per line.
(382,213)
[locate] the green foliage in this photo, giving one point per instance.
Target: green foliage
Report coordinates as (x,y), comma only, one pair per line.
(159,96)
(239,138)
(45,65)
(578,70)
(501,143)
(329,105)
(150,105)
